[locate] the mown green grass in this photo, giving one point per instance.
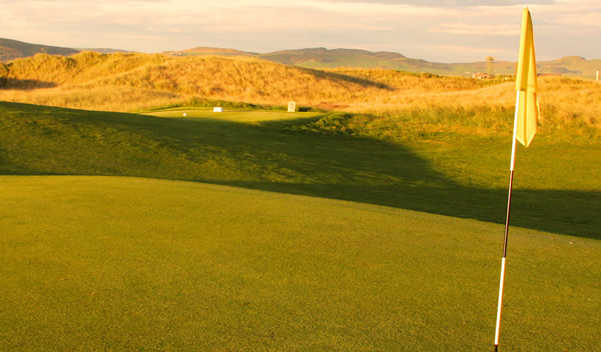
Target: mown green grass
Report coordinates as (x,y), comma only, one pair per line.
(113,263)
(557,188)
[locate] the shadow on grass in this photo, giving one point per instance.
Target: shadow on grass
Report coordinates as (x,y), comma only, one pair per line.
(568,212)
(346,78)
(24,84)
(272,157)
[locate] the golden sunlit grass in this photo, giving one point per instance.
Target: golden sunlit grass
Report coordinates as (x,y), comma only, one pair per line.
(110,98)
(407,81)
(132,82)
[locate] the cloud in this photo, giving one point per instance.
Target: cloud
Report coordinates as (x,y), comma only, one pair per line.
(477,29)
(441,30)
(447,3)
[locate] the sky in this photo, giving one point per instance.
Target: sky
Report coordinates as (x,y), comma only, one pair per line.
(435,30)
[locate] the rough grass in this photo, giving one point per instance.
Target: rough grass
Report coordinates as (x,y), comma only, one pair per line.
(109,263)
(134,82)
(238,79)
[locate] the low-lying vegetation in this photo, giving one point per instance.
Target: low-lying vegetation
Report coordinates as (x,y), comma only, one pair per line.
(135,82)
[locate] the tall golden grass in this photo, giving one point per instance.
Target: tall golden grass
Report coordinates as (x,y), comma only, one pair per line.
(227,78)
(566,99)
(130,82)
(3,70)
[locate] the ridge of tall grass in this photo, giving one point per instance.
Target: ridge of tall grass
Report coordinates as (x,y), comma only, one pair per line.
(134,82)
(226,78)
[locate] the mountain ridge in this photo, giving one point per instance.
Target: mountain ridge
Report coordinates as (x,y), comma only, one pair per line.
(323,58)
(11,49)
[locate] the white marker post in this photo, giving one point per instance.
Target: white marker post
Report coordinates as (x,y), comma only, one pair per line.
(291,106)
(597,76)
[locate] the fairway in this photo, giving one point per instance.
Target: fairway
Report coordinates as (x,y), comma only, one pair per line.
(113,263)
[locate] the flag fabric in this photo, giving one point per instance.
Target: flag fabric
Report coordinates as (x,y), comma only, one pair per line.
(526,85)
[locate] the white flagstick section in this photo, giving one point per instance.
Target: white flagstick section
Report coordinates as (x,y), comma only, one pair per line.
(511,168)
(500,304)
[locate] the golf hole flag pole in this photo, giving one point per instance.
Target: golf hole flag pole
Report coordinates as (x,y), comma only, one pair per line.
(524,129)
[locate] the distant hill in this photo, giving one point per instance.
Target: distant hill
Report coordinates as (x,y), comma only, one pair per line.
(326,58)
(104,50)
(320,58)
(14,49)
(201,50)
(571,65)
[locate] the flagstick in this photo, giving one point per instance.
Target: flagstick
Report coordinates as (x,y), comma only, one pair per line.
(511,168)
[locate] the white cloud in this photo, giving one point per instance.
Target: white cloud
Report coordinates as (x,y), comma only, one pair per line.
(444,30)
(476,29)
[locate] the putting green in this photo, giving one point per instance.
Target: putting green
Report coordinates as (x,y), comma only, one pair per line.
(114,263)
(235,116)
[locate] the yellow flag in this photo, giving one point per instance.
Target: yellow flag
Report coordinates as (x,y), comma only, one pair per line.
(525,79)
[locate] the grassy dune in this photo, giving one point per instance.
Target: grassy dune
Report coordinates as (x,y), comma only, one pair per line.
(134,82)
(239,79)
(109,263)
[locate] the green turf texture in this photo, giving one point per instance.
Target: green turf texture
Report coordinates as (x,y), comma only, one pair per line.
(113,263)
(557,184)
(242,260)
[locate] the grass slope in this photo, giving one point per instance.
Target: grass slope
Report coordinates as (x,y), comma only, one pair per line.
(107,263)
(132,81)
(135,82)
(427,162)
